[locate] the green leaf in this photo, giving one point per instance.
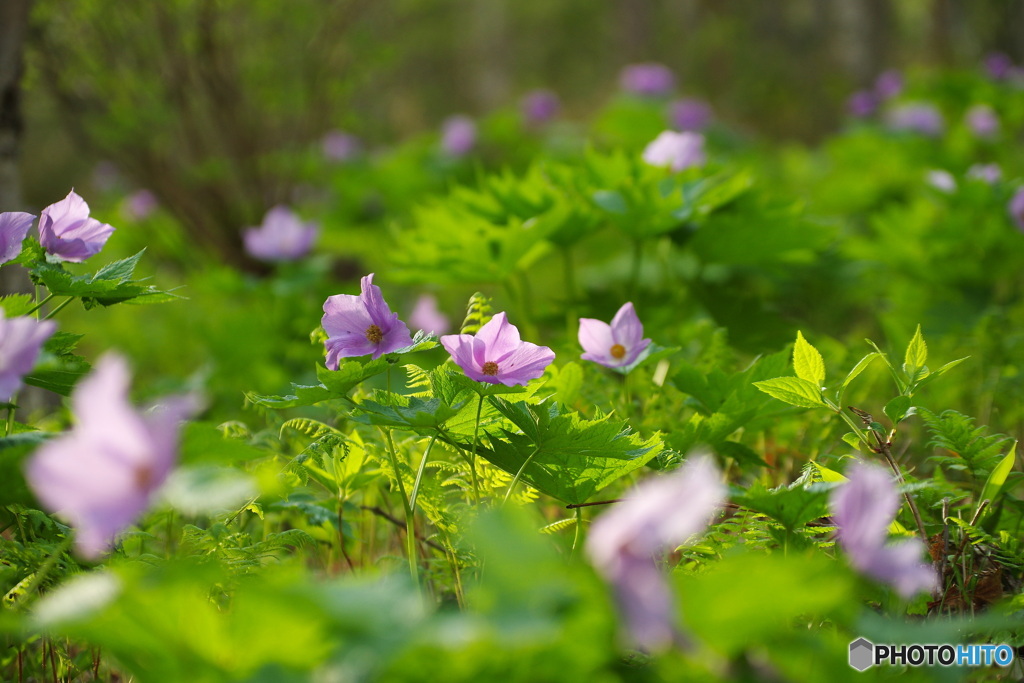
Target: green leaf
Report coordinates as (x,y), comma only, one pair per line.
(109,285)
(791,506)
(202,443)
(567,383)
(566,455)
(302,396)
(14,450)
(916,356)
(16,304)
(350,374)
(807,362)
(59,369)
(995,481)
(794,391)
(898,409)
(416,413)
(860,367)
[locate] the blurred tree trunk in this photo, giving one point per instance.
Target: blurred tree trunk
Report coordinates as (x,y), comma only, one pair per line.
(490,46)
(13,30)
(634,19)
(862,30)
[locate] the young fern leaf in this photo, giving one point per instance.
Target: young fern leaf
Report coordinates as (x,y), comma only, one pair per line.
(478,312)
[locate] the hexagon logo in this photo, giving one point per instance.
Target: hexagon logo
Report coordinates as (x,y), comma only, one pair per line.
(862,654)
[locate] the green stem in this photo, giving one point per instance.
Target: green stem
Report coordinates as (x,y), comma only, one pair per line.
(419,474)
(579,529)
(515,480)
(40,304)
(60,306)
(472,455)
(410,528)
(9,425)
(44,571)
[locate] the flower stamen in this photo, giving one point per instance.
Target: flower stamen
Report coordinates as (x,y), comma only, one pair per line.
(490,368)
(374,334)
(618,351)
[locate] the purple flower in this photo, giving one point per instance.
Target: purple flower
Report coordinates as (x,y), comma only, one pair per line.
(678,151)
(141,204)
(990,173)
(540,106)
(67,232)
(943,181)
(863,509)
(889,84)
(496,355)
(458,136)
(862,104)
(658,515)
(281,237)
(616,345)
(998,66)
(1016,209)
(14,226)
(983,121)
(649,79)
(340,146)
(361,325)
(917,118)
(20,342)
(689,114)
(102,475)
(426,316)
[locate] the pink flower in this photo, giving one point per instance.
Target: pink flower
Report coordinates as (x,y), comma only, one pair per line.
(690,114)
(678,151)
(20,342)
(658,515)
(340,146)
(103,474)
(458,136)
(361,325)
(982,121)
(426,316)
(648,79)
(1016,209)
(14,226)
(540,106)
(496,355)
(140,205)
(282,236)
(863,509)
(889,84)
(67,231)
(617,345)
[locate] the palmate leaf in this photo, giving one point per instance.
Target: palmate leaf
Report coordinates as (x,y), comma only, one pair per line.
(564,454)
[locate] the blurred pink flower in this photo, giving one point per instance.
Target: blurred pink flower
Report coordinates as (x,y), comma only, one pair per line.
(140,205)
(863,509)
(20,342)
(497,355)
(103,474)
(14,227)
(426,316)
(678,151)
(661,513)
(458,136)
(989,173)
(361,325)
(889,84)
(917,117)
(689,114)
(862,104)
(616,345)
(998,66)
(648,79)
(340,146)
(982,121)
(540,106)
(1016,209)
(282,236)
(941,180)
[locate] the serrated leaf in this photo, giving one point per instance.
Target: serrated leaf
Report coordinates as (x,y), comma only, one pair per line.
(418,414)
(350,374)
(793,390)
(807,362)
(16,304)
(791,506)
(302,395)
(916,355)
(566,455)
(852,439)
(897,409)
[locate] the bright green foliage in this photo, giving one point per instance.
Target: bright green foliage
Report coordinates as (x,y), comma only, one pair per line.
(111,284)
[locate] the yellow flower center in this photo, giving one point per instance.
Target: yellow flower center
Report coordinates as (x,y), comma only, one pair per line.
(374,334)
(618,351)
(490,368)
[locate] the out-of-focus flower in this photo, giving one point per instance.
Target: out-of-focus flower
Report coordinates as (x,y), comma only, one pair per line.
(998,66)
(863,509)
(14,227)
(983,121)
(20,342)
(497,355)
(689,114)
(678,151)
(140,205)
(941,180)
(458,136)
(102,475)
(105,176)
(282,236)
(889,84)
(1016,209)
(862,104)
(990,173)
(648,79)
(426,316)
(660,514)
(340,146)
(918,117)
(361,325)
(616,345)
(540,106)
(67,232)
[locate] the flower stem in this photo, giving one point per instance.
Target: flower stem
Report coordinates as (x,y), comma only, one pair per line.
(515,480)
(44,571)
(410,529)
(57,310)
(9,424)
(40,304)
(579,529)
(472,455)
(419,474)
